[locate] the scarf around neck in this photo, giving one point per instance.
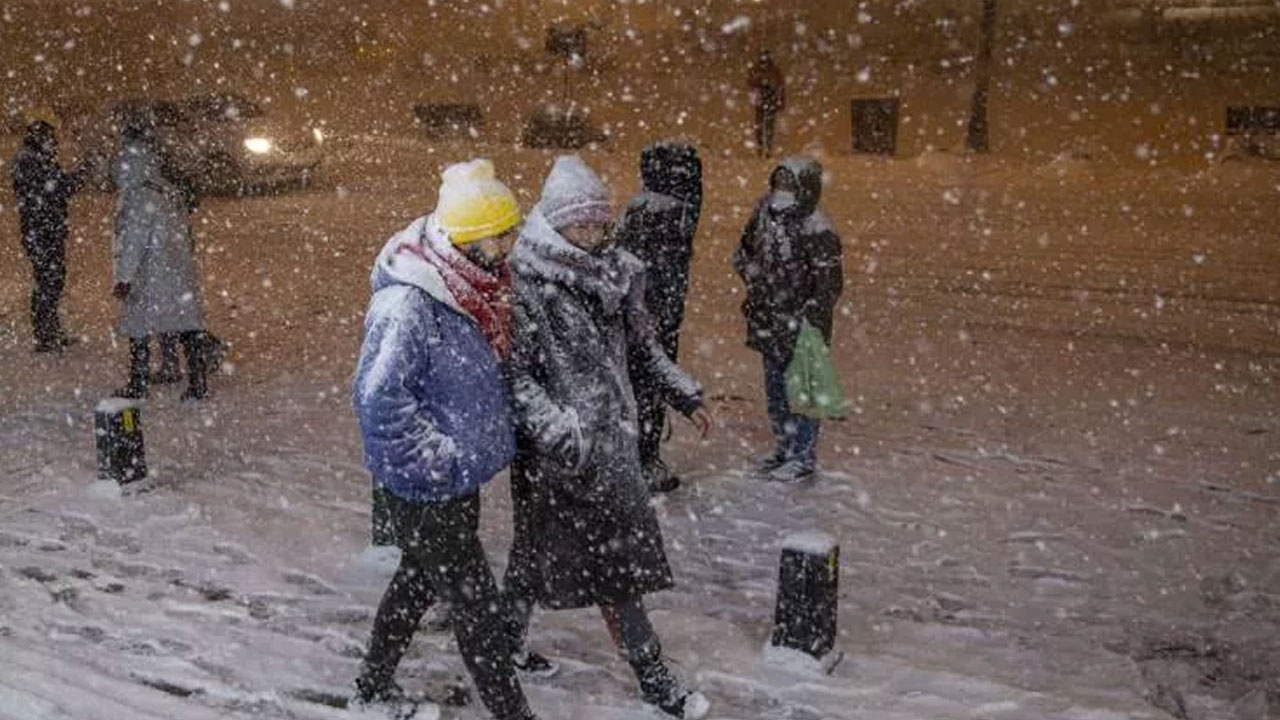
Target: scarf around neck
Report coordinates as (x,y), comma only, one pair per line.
(542,252)
(485,296)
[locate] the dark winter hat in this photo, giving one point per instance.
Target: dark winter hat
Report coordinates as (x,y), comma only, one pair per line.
(672,167)
(574,194)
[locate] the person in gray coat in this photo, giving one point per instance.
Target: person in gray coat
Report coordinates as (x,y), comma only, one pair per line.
(155,271)
(585,532)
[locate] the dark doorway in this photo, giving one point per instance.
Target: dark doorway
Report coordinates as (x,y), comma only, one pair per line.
(875,125)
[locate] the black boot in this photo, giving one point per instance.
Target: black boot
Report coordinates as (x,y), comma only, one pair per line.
(661,688)
(198,384)
(139,370)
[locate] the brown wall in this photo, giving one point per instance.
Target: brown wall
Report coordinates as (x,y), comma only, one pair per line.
(1067,80)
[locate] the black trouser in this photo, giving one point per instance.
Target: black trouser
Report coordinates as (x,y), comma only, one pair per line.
(48,258)
(442,557)
(521,583)
(651,410)
(192,345)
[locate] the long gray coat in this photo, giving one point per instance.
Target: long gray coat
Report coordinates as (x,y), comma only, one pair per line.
(584,526)
(153,251)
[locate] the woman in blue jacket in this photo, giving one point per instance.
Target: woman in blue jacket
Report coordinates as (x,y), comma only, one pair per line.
(435,417)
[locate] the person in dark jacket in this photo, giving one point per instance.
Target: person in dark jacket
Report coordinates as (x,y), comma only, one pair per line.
(789,258)
(43,190)
(658,226)
(436,422)
(585,532)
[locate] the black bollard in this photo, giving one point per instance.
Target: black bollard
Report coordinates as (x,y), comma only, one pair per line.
(808,581)
(117,425)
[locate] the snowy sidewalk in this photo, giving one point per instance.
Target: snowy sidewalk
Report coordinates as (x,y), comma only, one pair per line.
(240,587)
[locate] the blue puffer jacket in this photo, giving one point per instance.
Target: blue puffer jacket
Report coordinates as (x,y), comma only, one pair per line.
(434,410)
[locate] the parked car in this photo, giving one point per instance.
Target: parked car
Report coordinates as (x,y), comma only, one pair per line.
(221,143)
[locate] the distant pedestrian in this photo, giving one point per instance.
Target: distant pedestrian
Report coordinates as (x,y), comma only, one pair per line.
(768,98)
(155,271)
(585,531)
(789,258)
(658,226)
(436,420)
(43,190)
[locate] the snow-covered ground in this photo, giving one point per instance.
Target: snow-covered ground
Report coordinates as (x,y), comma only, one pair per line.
(1057,497)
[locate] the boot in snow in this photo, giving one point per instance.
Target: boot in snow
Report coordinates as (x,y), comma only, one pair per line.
(659,478)
(662,689)
(535,664)
(388,701)
(791,471)
(688,705)
(768,463)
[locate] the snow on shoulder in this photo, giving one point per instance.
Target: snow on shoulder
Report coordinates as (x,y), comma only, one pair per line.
(809,542)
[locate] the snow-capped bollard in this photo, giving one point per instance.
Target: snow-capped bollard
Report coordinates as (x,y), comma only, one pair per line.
(384,530)
(117,425)
(808,580)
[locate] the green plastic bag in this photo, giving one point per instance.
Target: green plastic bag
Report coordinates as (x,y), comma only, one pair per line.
(813,388)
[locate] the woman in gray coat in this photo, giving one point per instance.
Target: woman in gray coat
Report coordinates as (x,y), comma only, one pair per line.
(585,532)
(155,272)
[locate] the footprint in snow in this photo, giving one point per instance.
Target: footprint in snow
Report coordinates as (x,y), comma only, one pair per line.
(308,582)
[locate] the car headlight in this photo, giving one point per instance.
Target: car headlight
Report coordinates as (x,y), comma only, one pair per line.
(318,134)
(258,145)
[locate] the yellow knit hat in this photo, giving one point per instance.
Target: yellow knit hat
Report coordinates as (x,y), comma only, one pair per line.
(473,204)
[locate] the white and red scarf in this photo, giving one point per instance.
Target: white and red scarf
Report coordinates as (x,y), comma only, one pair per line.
(485,296)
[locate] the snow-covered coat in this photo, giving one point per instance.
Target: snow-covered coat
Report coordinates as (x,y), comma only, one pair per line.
(586,509)
(433,407)
(658,226)
(153,249)
(790,263)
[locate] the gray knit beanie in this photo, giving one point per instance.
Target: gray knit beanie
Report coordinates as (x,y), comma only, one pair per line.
(574,194)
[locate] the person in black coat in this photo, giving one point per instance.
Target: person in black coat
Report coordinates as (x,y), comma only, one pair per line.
(789,258)
(658,226)
(43,190)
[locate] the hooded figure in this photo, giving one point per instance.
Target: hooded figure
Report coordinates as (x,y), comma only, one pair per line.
(43,190)
(789,258)
(155,269)
(658,226)
(436,423)
(585,532)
